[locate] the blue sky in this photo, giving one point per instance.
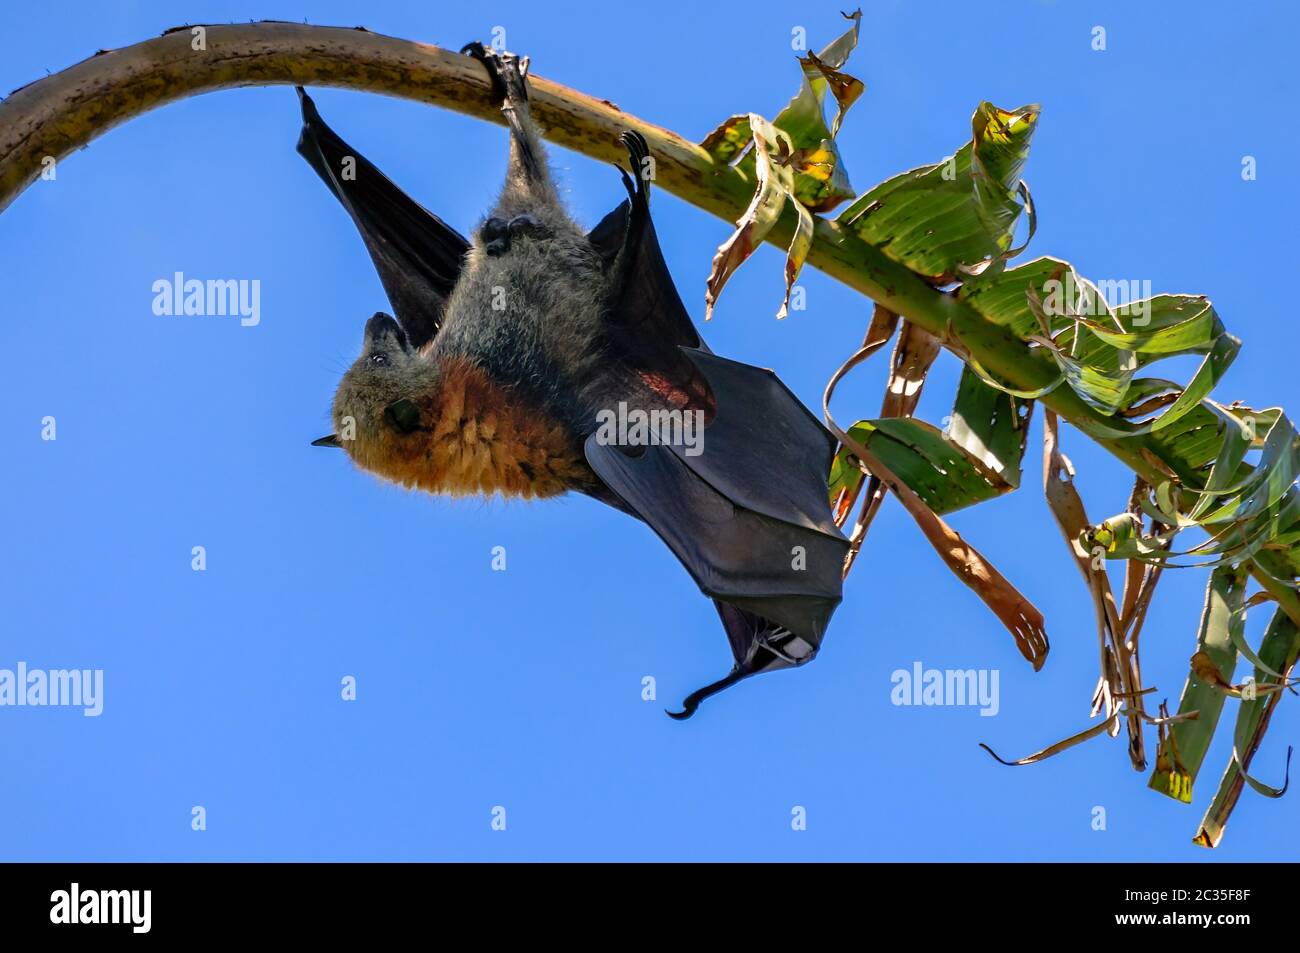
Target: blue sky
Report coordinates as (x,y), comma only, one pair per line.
(522,688)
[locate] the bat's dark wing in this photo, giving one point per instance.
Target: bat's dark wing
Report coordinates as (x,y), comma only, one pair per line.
(647,323)
(745,508)
(748,516)
(417,255)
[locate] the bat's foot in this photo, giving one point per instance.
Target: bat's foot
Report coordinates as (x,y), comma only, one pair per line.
(508,72)
(497,234)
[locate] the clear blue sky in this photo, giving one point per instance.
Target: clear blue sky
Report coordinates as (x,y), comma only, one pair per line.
(523,688)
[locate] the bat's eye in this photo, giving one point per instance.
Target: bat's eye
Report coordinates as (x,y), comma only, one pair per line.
(379,359)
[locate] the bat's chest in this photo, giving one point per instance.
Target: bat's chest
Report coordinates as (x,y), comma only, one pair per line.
(533,318)
(487,441)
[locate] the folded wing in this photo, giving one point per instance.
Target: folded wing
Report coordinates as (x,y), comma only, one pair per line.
(745,509)
(418,256)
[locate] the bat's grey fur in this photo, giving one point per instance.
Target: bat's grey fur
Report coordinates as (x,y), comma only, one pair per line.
(534,327)
(527,309)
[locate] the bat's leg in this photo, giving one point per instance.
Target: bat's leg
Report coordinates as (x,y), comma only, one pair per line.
(528,184)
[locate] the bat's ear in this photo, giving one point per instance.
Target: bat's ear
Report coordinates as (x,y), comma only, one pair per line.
(330,441)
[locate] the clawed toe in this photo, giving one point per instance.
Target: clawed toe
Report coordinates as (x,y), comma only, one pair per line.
(507,71)
(491,61)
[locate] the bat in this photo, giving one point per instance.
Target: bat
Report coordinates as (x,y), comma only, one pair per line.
(537,359)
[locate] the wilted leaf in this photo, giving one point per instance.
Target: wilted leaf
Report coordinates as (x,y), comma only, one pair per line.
(804,117)
(914,353)
(793,157)
(1119,669)
(1171,777)
(975,459)
(845,479)
(1095,731)
(1242,508)
(796,255)
(1017,613)
(911,361)
(819,181)
(845,88)
(774,184)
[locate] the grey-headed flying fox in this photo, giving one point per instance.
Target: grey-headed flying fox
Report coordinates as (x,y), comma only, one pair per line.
(507,349)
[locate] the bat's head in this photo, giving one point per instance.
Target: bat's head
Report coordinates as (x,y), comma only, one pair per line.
(381,402)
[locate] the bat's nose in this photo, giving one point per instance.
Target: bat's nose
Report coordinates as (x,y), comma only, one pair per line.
(385,325)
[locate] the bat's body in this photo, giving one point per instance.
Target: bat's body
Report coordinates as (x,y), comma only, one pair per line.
(515,346)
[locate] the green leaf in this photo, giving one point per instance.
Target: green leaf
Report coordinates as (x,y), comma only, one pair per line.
(1100,349)
(944,219)
(977,459)
(937,470)
(990,426)
(820,182)
(1179,762)
(1242,508)
(1279,652)
(726,143)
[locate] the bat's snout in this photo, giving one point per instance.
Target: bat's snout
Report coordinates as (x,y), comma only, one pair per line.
(383,326)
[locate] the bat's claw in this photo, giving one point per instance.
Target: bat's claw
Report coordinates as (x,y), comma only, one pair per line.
(638,183)
(638,150)
(491,62)
(507,71)
(692,701)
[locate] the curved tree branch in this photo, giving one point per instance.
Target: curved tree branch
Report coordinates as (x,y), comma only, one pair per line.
(58,114)
(63,112)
